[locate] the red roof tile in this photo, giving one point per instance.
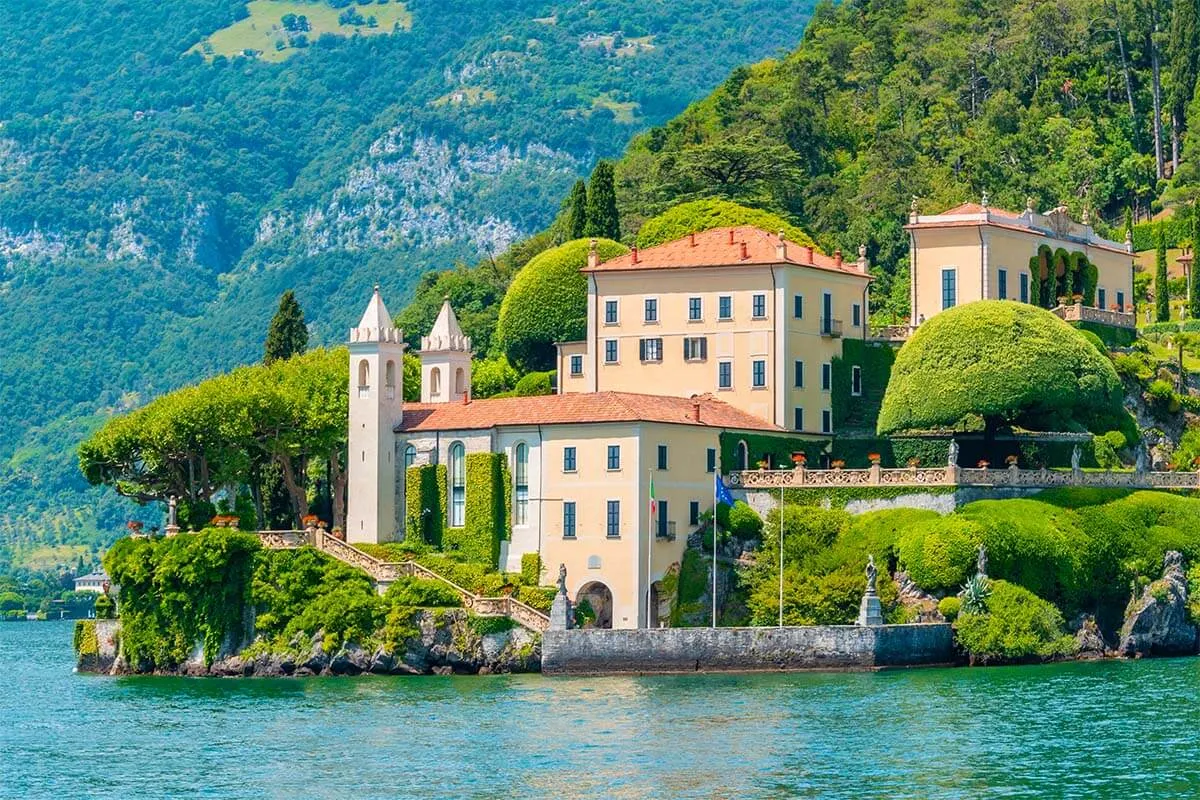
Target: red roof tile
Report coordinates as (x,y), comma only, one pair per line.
(726,247)
(578,408)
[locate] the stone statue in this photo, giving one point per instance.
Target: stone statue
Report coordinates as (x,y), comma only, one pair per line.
(562,578)
(171,505)
(870,611)
(1141,458)
(1076,455)
(952,461)
(872,572)
(981,561)
(561,614)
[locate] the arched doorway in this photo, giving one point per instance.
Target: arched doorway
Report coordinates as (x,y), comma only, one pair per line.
(741,456)
(599,597)
(660,606)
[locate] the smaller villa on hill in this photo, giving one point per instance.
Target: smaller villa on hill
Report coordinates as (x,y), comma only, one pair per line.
(977,252)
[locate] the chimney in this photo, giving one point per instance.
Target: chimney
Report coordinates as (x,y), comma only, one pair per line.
(731,235)
(837,257)
(467,397)
(634,254)
(781,248)
(808,254)
(862,259)
(696,411)
(692,238)
(593,255)
(745,254)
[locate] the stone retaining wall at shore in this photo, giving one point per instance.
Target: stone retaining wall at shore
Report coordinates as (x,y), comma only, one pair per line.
(673,650)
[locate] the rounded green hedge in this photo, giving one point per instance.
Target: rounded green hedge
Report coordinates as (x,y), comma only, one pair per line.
(949,608)
(702,215)
(547,303)
(534,384)
(940,553)
(1018,625)
(1001,363)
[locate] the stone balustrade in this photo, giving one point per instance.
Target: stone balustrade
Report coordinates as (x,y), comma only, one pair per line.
(1078,312)
(958,476)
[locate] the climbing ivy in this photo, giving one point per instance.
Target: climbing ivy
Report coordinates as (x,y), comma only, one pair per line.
(777,449)
(486,511)
(424,503)
(875,360)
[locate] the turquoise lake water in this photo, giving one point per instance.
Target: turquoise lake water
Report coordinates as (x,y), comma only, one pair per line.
(1113,729)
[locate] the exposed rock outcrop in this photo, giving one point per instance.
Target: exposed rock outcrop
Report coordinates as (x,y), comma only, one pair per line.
(914,597)
(1089,642)
(1157,623)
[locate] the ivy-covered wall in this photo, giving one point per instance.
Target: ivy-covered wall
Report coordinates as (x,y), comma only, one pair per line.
(875,359)
(1111,336)
(777,449)
(486,513)
(932,452)
(425,490)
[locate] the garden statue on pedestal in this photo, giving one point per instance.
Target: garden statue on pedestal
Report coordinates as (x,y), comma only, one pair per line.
(952,460)
(870,612)
(1076,456)
(561,614)
(981,562)
(172,524)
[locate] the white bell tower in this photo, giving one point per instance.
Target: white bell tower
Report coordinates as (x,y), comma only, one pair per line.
(376,407)
(445,360)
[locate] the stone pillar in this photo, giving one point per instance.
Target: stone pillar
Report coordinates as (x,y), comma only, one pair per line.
(562,616)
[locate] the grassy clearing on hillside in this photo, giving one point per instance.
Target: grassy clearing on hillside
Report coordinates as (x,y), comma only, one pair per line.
(262,32)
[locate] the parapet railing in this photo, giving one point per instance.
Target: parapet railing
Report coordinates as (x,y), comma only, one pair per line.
(959,476)
(1078,312)
(389,571)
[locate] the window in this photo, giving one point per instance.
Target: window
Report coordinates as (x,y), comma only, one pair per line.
(695,309)
(458,486)
(435,382)
(460,381)
(798,306)
(389,381)
(568,519)
(711,462)
(610,312)
(410,455)
(725,307)
(521,505)
(856,314)
(1024,288)
(662,515)
(568,459)
(1100,298)
(576,366)
(662,456)
(856,380)
(1120,301)
(826,421)
(364,378)
(759,372)
(650,349)
(725,375)
(759,306)
(610,351)
(826,376)
(651,309)
(948,290)
(1002,284)
(614,519)
(798,418)
(614,457)
(798,380)
(741,456)
(694,512)
(695,348)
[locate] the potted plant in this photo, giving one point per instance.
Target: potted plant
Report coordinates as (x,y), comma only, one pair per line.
(838,463)
(1078,298)
(983,463)
(764,464)
(799,459)
(874,458)
(913,462)
(310,520)
(134,526)
(1011,460)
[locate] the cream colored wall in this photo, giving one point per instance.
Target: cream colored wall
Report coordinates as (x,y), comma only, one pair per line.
(372,513)
(944,248)
(1116,275)
(566,381)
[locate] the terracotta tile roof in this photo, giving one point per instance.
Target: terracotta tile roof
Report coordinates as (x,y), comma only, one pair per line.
(726,247)
(578,408)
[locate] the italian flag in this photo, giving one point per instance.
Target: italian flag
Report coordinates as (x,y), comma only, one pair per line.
(653,502)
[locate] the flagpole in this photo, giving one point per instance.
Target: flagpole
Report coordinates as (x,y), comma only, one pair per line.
(714,563)
(649,550)
(781,555)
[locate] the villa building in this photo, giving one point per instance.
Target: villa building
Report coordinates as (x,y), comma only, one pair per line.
(976,252)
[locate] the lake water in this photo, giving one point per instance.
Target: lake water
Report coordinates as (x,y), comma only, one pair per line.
(1113,729)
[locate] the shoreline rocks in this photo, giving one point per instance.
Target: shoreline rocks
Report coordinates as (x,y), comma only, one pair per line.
(1157,624)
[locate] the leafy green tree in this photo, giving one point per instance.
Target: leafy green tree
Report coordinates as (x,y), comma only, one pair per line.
(1194,289)
(547,303)
(1017,624)
(1162,293)
(577,214)
(412,378)
(288,335)
(11,601)
(491,376)
(991,363)
(602,217)
(701,215)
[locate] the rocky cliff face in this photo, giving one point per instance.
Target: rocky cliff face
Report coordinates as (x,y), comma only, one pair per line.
(1157,623)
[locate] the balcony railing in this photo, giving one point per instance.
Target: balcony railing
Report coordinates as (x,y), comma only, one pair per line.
(831,327)
(667,533)
(1078,312)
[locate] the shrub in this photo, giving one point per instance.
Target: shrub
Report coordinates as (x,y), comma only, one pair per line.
(806,531)
(422,593)
(744,521)
(1095,341)
(489,377)
(539,597)
(105,607)
(482,626)
(11,601)
(949,607)
(531,569)
(1017,625)
(1135,366)
(702,215)
(940,553)
(535,383)
(975,593)
(547,303)
(1005,364)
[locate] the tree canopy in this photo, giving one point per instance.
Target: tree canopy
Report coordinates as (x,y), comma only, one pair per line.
(287,335)
(998,363)
(701,215)
(602,217)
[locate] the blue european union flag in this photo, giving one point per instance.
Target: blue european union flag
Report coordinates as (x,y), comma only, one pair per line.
(720,492)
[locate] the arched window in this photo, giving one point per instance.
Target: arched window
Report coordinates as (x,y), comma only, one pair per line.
(389,380)
(460,381)
(521,473)
(364,378)
(742,456)
(410,456)
(435,382)
(458,486)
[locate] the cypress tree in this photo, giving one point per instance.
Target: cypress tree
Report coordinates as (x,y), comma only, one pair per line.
(602,218)
(1194,289)
(1162,297)
(288,335)
(577,214)
(1183,45)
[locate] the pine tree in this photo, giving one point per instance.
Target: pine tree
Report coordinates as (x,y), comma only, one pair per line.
(1184,53)
(577,214)
(288,335)
(602,218)
(1162,297)
(1194,288)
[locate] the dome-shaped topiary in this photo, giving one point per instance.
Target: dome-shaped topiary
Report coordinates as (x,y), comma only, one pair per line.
(547,303)
(1004,363)
(702,215)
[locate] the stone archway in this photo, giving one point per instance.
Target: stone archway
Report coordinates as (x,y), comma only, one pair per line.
(660,606)
(599,597)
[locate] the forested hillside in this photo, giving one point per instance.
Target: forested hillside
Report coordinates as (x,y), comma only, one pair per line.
(158,191)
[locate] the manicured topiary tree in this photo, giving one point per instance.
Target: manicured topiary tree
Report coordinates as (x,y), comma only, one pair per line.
(1162,295)
(1002,364)
(702,215)
(547,303)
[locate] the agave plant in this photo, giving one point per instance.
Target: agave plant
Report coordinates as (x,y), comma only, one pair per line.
(975,593)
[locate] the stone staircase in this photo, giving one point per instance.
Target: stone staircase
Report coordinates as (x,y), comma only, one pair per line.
(384,573)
